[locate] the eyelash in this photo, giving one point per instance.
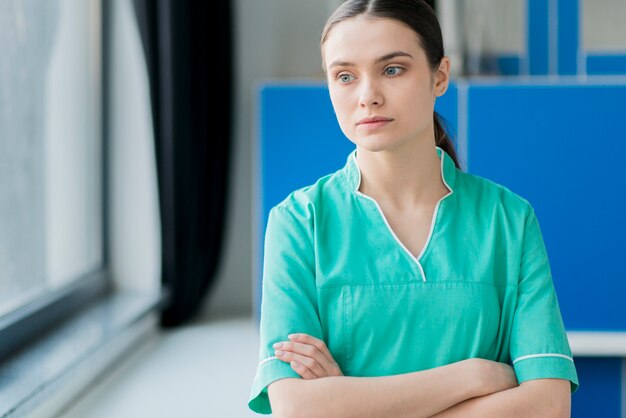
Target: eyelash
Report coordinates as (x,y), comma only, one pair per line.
(400,71)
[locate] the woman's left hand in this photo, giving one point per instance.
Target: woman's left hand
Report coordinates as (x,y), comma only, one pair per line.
(308,356)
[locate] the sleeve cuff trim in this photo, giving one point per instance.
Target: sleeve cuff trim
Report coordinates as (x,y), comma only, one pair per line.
(267,359)
(543,355)
(262,363)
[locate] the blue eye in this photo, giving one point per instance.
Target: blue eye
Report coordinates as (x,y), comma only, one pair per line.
(345,78)
(392,71)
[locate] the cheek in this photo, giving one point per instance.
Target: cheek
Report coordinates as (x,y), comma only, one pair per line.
(421,96)
(421,104)
(342,105)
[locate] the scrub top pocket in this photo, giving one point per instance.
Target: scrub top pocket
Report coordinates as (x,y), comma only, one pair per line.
(406,327)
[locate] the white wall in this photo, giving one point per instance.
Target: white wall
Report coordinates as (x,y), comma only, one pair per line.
(603,26)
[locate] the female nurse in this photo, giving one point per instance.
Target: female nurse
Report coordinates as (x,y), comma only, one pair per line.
(399,285)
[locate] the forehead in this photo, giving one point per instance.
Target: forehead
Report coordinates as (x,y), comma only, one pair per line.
(362,38)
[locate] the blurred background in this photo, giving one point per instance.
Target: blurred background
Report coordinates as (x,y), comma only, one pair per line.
(142,143)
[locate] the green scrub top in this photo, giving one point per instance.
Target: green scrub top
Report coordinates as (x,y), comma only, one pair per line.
(481,287)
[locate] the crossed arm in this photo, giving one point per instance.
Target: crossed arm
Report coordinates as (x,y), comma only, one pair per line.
(534,398)
(469,388)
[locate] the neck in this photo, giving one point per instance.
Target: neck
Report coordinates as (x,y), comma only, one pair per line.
(405,178)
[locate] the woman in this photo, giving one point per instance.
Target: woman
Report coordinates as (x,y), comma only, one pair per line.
(400,286)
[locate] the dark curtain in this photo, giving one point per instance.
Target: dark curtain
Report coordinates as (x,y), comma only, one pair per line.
(187,45)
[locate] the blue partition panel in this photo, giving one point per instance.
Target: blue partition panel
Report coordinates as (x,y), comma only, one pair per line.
(563,147)
(300,139)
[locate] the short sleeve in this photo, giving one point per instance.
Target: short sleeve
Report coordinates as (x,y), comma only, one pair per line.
(288,299)
(539,345)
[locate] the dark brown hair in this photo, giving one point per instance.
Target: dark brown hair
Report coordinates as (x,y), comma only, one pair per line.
(421,18)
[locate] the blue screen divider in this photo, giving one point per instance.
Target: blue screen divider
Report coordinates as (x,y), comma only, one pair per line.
(559,144)
(563,147)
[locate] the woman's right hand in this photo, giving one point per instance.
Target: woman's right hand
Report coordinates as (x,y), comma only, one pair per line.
(492,376)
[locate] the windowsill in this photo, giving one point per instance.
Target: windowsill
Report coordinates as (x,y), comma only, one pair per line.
(40,379)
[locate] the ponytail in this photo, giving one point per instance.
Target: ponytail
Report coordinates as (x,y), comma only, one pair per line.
(442,139)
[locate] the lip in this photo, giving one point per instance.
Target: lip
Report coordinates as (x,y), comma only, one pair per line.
(373,119)
(373,122)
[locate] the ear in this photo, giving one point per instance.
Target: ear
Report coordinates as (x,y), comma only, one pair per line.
(442,77)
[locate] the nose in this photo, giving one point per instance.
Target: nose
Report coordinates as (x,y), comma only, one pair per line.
(370,94)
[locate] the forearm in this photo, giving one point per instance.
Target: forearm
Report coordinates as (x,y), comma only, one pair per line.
(410,395)
(546,398)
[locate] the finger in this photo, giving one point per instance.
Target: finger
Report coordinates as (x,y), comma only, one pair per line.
(312,352)
(315,342)
(304,349)
(331,365)
(304,372)
(311,364)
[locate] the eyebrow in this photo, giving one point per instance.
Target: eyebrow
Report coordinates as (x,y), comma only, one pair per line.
(378,60)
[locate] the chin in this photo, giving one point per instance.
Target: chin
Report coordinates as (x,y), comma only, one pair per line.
(372,147)
(373,144)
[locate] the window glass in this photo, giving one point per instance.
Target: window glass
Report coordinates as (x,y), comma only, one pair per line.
(50,147)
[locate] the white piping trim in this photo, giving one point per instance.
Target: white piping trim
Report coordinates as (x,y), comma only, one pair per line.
(543,355)
(432,221)
(266,360)
(258,368)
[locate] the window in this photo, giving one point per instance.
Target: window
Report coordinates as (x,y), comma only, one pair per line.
(51,159)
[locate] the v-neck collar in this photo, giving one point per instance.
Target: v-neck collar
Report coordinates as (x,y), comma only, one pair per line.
(352,175)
